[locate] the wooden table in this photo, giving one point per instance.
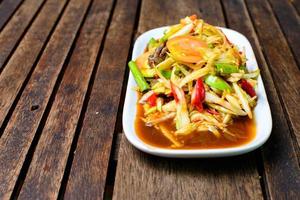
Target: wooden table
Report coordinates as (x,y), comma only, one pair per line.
(63,76)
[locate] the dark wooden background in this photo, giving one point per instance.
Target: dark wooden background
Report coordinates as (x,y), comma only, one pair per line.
(63,76)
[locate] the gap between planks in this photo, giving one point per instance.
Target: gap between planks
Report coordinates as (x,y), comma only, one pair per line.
(24,108)
(111,71)
(16,90)
(13,33)
(289,22)
(41,125)
(84,109)
(118,134)
(61,123)
(282,65)
(273,165)
(7,10)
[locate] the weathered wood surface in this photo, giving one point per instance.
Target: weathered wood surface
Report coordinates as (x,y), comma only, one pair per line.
(24,57)
(63,77)
(7,8)
(289,21)
(275,157)
(49,161)
(282,64)
(13,31)
(95,141)
(296,4)
(15,142)
(160,178)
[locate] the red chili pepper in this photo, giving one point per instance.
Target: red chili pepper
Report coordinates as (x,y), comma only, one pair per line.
(173,89)
(227,39)
(212,111)
(198,95)
(247,87)
(152,100)
(199,107)
(178,93)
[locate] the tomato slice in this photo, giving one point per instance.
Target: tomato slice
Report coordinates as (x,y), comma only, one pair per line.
(142,60)
(186,48)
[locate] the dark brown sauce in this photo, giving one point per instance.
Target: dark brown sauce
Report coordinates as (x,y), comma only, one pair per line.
(244,129)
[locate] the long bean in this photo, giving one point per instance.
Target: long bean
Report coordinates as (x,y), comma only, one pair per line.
(138,77)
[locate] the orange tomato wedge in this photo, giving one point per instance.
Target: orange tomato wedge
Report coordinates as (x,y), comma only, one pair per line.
(186,48)
(142,60)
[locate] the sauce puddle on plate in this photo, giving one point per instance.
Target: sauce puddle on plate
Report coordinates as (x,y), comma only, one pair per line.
(244,129)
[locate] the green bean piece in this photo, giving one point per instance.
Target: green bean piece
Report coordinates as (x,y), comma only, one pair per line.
(225,68)
(138,77)
(217,82)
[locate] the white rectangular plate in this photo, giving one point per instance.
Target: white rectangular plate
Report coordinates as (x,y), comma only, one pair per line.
(262,111)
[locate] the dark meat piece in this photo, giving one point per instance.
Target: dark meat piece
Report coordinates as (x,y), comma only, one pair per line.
(154,59)
(163,52)
(158,55)
(167,98)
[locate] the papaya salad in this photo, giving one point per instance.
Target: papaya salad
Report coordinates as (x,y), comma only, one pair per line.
(191,81)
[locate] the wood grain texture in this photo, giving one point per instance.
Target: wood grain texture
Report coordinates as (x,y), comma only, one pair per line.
(282,64)
(11,34)
(20,131)
(183,8)
(7,8)
(46,171)
(281,167)
(35,57)
(142,176)
(117,145)
(90,165)
(23,59)
(290,24)
(296,4)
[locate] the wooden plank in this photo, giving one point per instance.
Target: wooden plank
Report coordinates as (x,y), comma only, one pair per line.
(281,169)
(89,169)
(13,31)
(296,4)
(282,64)
(45,173)
(290,24)
(7,8)
(23,59)
(162,178)
(169,17)
(15,142)
(142,176)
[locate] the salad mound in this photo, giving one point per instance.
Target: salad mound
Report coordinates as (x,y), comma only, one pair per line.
(196,79)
